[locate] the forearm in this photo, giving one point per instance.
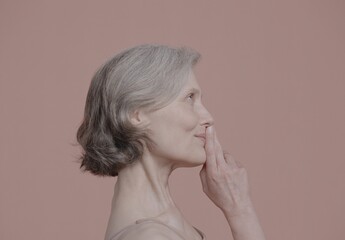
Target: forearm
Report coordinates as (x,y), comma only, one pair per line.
(245,226)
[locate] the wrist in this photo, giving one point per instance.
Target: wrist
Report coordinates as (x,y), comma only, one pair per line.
(244,211)
(245,224)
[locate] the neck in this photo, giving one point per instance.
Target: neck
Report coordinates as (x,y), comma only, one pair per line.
(142,189)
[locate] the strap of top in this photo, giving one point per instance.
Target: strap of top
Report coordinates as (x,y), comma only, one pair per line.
(119,235)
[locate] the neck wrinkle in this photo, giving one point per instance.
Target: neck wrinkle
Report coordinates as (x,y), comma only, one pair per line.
(145,186)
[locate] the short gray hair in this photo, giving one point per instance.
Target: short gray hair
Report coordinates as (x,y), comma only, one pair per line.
(147,77)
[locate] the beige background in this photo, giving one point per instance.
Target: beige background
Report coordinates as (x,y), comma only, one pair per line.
(272,75)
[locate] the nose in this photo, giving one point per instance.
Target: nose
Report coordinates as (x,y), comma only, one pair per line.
(206,118)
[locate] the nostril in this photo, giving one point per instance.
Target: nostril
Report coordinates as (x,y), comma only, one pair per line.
(208,124)
(207,118)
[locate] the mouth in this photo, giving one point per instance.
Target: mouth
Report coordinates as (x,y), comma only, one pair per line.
(202,138)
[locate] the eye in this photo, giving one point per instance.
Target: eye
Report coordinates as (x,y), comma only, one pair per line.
(191,96)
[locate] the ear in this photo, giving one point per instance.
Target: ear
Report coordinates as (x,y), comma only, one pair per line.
(138,117)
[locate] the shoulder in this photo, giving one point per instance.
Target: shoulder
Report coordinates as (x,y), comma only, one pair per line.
(152,231)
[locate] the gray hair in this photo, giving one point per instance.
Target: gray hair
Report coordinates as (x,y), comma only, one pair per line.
(147,77)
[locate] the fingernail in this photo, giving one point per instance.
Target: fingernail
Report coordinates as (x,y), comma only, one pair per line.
(209,129)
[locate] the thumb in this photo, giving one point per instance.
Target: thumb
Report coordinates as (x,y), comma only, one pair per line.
(202,173)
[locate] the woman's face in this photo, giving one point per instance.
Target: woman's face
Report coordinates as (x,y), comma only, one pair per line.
(174,128)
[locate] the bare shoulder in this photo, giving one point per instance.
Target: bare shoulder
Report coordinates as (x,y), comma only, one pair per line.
(152,231)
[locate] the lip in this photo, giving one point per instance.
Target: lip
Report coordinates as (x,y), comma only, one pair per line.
(202,137)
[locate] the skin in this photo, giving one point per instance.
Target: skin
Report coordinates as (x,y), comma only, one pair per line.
(142,189)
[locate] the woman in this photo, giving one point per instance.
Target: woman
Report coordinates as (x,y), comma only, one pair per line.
(143,119)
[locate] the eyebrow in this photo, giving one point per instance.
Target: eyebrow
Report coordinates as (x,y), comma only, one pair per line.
(195,90)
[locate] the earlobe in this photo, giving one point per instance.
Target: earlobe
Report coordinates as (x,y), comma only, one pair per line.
(138,118)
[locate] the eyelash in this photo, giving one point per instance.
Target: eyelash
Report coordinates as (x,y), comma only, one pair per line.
(191,95)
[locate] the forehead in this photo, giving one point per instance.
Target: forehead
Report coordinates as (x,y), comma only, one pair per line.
(191,83)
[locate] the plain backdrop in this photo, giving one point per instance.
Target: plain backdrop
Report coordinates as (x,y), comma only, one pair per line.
(272,75)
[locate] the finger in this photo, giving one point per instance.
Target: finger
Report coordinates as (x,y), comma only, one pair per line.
(230,160)
(202,174)
(219,152)
(203,178)
(210,151)
(239,164)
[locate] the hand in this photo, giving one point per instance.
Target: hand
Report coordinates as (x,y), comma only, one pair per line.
(224,179)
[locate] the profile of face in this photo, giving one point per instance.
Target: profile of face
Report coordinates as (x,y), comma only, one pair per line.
(176,126)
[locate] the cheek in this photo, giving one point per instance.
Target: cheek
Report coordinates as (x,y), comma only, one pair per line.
(175,128)
(188,120)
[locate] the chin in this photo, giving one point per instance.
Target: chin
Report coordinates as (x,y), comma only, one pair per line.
(201,159)
(200,163)
(197,160)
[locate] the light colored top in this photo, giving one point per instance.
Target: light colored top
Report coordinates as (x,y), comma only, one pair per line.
(124,231)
